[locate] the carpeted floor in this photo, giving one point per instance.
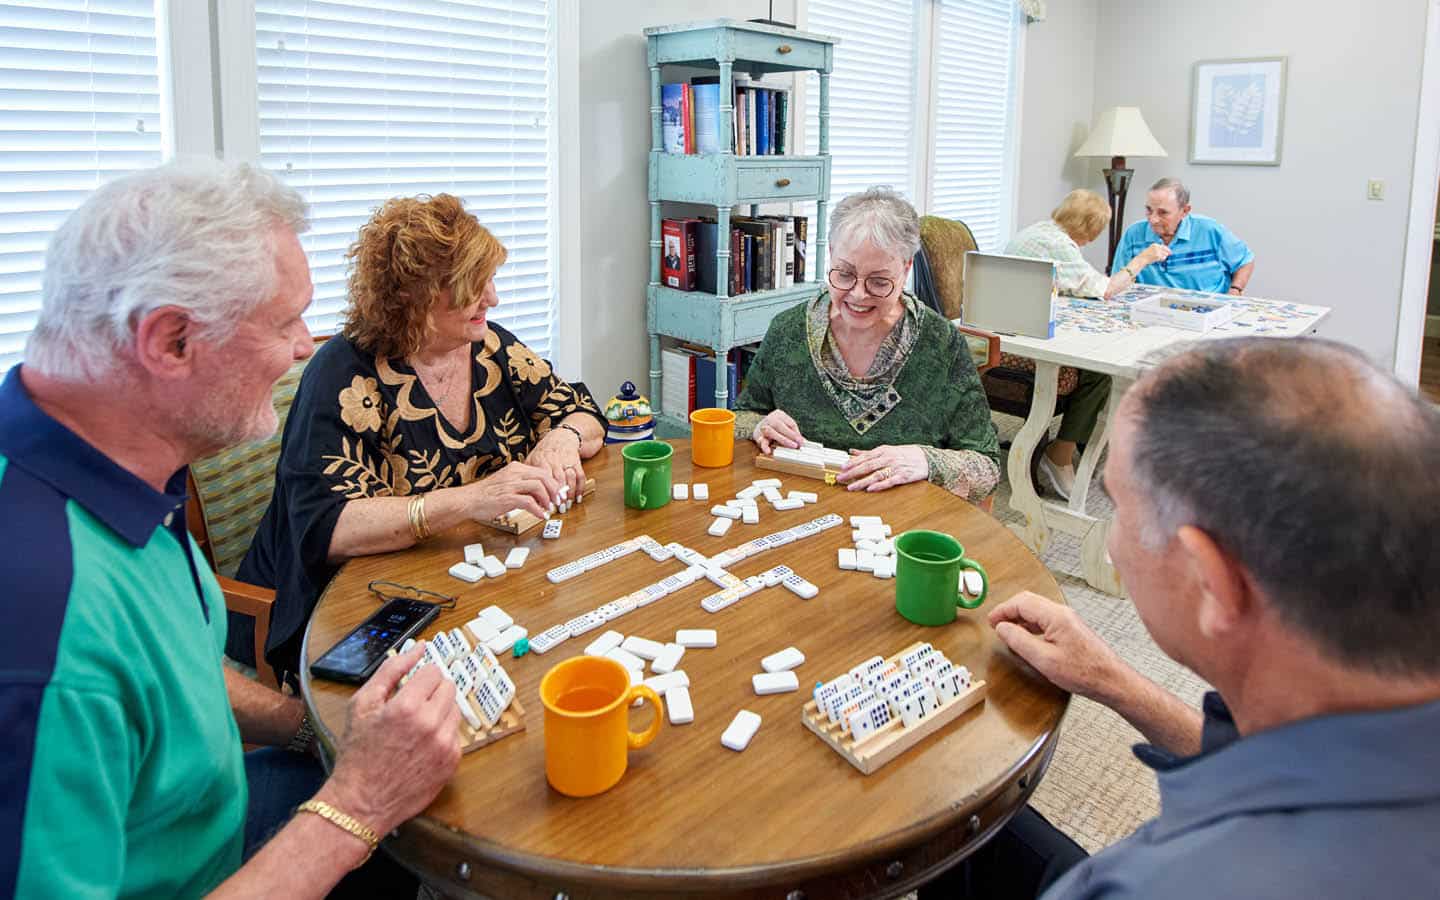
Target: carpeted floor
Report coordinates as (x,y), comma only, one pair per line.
(1095,789)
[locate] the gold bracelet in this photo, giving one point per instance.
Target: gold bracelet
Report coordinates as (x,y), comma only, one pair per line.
(420,514)
(342,820)
(417,528)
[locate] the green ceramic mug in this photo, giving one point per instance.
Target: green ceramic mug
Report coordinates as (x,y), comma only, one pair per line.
(927,577)
(647,474)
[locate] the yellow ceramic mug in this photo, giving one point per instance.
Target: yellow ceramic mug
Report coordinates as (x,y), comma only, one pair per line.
(712,437)
(587,724)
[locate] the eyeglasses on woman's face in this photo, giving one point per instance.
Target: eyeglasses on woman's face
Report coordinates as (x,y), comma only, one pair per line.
(875,285)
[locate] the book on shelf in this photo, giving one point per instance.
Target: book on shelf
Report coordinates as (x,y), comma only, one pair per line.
(705,382)
(782,122)
(762,122)
(677,254)
(672,117)
(705,247)
(677,372)
(705,102)
(802,227)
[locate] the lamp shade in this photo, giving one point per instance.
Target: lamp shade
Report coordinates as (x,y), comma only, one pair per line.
(1121,131)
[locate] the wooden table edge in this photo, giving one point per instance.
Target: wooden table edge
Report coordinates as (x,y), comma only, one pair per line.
(486,852)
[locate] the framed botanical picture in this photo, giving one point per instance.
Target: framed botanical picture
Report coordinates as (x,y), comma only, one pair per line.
(1237,112)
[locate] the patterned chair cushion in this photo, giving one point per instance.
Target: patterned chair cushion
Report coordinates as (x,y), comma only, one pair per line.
(1069,376)
(946,241)
(235,484)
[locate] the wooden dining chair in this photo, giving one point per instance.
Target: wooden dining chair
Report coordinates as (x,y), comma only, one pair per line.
(229,493)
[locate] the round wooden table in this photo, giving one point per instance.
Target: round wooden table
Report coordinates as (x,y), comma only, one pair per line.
(788,817)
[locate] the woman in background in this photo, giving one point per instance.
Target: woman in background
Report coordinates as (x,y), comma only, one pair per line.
(1079,219)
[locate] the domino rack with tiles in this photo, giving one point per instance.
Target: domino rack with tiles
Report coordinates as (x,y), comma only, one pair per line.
(872,696)
(484,691)
(812,460)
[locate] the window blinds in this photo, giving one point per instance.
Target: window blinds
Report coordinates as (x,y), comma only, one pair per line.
(360,102)
(79,106)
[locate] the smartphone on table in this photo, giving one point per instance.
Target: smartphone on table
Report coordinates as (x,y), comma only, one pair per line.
(357,655)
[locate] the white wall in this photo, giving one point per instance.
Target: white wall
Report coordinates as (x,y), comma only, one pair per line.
(615,141)
(1056,103)
(1350,115)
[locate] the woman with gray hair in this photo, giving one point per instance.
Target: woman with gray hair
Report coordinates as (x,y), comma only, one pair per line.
(867,368)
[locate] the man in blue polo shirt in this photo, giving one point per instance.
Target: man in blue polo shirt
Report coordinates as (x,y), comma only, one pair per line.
(172,302)
(1276,559)
(1204,255)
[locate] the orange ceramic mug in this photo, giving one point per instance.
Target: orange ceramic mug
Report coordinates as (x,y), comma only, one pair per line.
(587,724)
(712,437)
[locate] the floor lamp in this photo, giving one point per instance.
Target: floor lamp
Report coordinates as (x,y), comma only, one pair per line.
(1120,131)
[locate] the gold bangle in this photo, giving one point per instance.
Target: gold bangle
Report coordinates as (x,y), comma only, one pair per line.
(342,820)
(417,522)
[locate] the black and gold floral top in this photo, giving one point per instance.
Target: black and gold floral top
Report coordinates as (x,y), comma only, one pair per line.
(363,426)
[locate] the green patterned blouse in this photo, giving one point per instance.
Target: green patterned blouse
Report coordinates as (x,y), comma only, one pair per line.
(921,389)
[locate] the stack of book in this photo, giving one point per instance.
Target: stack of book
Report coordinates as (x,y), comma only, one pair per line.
(688,373)
(766,253)
(761,120)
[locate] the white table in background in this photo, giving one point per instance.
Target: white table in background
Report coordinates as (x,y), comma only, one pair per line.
(1097,335)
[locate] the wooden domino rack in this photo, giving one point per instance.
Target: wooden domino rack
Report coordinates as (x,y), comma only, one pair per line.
(511,721)
(524,521)
(893,738)
(818,471)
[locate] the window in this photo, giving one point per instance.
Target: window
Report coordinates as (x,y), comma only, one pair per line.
(79,106)
(363,101)
(872,93)
(944,138)
(973,101)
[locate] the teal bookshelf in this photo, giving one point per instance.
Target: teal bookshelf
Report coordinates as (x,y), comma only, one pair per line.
(723,181)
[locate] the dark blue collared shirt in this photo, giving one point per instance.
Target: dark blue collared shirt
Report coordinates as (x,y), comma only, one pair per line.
(1335,806)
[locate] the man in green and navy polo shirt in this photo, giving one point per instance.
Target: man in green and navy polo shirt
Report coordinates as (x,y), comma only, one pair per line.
(1204,254)
(171,304)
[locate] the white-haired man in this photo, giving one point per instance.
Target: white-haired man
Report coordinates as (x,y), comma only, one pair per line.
(171,304)
(1203,254)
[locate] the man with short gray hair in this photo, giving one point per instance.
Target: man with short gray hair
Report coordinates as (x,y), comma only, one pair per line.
(172,302)
(1204,255)
(1276,507)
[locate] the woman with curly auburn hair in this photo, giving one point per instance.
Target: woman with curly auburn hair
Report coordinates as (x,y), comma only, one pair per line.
(421,414)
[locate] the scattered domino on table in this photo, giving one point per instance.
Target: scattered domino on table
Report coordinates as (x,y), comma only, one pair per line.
(884,567)
(467,572)
(493,567)
(605,643)
(974,584)
(783,661)
(474,553)
(741,730)
(719,526)
(642,647)
(552,529)
(696,637)
(700,491)
(678,706)
(680,492)
(725,512)
(496,617)
(516,557)
(775,683)
(667,660)
(847,559)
